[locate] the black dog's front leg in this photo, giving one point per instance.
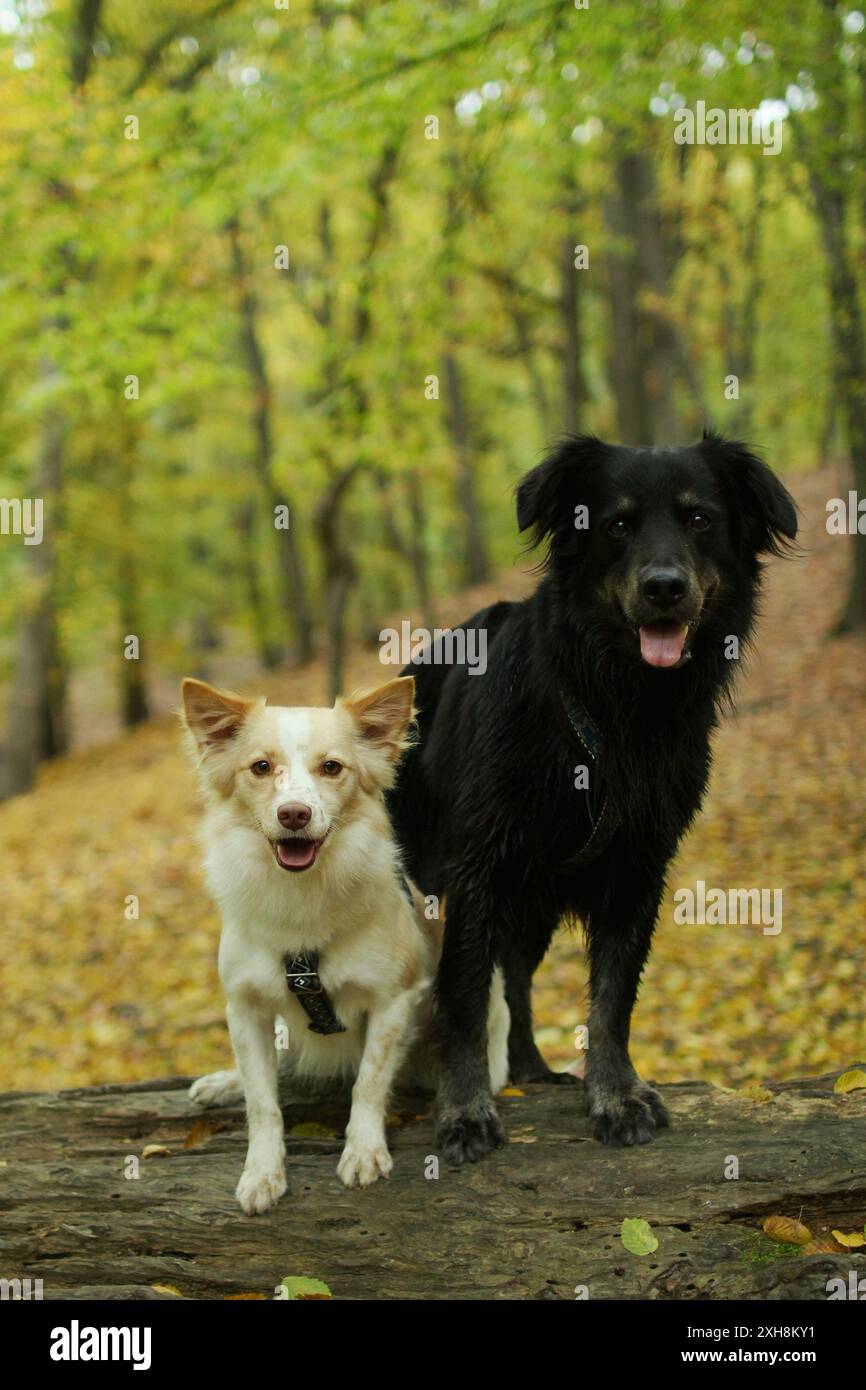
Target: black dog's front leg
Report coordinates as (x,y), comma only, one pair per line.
(468,1125)
(623,1108)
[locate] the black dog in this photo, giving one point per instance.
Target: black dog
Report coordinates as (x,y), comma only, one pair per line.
(559,783)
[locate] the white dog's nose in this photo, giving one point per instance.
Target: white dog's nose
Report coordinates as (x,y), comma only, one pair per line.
(294,815)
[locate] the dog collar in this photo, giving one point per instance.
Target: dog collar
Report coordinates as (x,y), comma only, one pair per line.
(302,978)
(603,820)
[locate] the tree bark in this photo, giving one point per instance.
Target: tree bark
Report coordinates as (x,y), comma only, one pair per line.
(36,710)
(629,345)
(340,572)
(289,560)
(529,1224)
(475,560)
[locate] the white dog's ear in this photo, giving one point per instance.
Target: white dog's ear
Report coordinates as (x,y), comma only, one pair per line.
(383,718)
(213,718)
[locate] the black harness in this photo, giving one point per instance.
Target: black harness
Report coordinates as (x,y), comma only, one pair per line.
(603,819)
(302,978)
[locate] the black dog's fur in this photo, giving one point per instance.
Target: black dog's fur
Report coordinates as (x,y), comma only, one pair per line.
(485,804)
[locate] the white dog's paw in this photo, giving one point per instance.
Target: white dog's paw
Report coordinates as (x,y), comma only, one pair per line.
(260,1189)
(219,1088)
(360,1165)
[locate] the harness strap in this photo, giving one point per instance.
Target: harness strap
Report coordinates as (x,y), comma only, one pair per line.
(302,978)
(604,821)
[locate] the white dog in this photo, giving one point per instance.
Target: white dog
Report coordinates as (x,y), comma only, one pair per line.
(321,937)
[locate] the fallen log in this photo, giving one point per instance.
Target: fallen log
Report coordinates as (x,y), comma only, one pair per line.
(83,1211)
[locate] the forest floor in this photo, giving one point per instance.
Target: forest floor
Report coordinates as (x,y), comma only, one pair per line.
(92,997)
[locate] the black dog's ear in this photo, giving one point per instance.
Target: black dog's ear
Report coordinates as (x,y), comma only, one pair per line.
(767,508)
(547,497)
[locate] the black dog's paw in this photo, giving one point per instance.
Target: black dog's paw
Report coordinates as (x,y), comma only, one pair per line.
(467,1133)
(630,1117)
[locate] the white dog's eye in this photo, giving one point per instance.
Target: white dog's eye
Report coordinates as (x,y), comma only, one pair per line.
(260,768)
(331,767)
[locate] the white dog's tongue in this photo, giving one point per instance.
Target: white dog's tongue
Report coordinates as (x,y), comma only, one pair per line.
(297,853)
(661,644)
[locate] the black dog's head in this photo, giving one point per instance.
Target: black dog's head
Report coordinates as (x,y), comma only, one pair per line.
(658,540)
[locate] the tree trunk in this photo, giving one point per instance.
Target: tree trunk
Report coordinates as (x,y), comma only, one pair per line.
(475,560)
(848,342)
(339,573)
(36,711)
(628,349)
(826,160)
(133,684)
(290,563)
(574,391)
(270,653)
(646,352)
(529,1224)
(418,553)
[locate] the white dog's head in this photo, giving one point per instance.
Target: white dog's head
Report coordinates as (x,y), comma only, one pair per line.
(297,774)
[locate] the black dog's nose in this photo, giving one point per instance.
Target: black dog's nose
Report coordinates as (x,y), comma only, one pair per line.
(293,815)
(663,587)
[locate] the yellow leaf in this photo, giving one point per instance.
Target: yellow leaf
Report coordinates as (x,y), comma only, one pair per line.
(512,1091)
(237,1297)
(755,1092)
(787,1230)
(202,1130)
(850,1081)
(852,1241)
(155,1151)
(311,1130)
(823,1246)
(167,1288)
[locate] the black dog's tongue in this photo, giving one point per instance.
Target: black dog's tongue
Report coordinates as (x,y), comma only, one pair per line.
(661,644)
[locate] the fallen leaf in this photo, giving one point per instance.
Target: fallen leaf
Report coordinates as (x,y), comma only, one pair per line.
(787,1230)
(851,1241)
(512,1091)
(637,1236)
(755,1092)
(853,1080)
(311,1130)
(155,1151)
(298,1287)
(167,1288)
(202,1130)
(237,1297)
(822,1246)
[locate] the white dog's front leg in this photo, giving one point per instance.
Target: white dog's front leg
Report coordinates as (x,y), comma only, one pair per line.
(365,1156)
(263,1180)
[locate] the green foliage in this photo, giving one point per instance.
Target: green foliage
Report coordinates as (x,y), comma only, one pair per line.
(118,262)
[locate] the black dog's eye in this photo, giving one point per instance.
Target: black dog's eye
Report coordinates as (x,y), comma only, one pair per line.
(617,528)
(699,521)
(331,767)
(261,768)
